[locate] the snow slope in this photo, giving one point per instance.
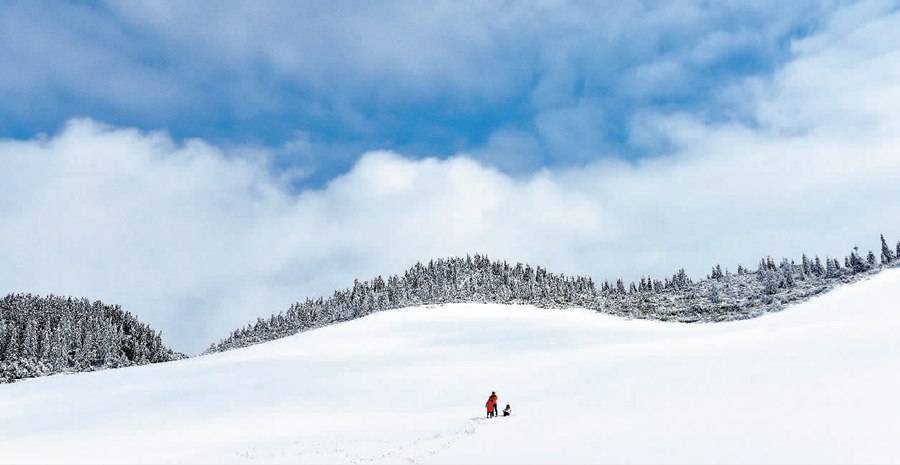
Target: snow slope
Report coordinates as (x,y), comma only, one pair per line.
(819,382)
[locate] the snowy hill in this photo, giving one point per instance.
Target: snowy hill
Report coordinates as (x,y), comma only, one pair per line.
(722,296)
(816,383)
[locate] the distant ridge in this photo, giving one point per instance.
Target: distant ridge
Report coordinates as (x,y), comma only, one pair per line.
(722,296)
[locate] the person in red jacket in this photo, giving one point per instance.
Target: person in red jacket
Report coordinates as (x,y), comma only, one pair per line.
(491,405)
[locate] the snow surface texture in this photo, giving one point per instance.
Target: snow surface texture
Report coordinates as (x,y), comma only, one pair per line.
(816,383)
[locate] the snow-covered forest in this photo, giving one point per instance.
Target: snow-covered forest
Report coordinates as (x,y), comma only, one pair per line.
(722,296)
(46,335)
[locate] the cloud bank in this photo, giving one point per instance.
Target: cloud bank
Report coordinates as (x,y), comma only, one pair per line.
(198,239)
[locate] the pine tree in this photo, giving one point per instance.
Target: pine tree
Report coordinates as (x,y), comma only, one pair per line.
(871,261)
(57,354)
(714,296)
(4,339)
(680,280)
(45,343)
(817,268)
(887,255)
(30,347)
(856,262)
(771,280)
(787,274)
(14,348)
(832,269)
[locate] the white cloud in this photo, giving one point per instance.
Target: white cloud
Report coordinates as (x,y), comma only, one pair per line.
(198,240)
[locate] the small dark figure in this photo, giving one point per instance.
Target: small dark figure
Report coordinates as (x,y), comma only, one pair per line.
(507,411)
(491,405)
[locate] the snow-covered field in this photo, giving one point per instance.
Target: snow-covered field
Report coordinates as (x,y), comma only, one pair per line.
(819,382)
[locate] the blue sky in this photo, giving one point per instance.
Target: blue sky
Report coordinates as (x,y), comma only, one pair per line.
(559,83)
(204,164)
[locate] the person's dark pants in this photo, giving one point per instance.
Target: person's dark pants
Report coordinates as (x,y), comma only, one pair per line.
(495,410)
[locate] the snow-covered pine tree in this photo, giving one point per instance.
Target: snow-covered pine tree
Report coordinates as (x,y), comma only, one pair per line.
(770,280)
(856,263)
(45,343)
(832,268)
(13,348)
(4,340)
(714,294)
(680,280)
(787,274)
(763,266)
(57,355)
(817,267)
(871,261)
(30,349)
(887,255)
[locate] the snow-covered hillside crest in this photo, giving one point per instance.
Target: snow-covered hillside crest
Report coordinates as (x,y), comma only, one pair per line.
(722,296)
(815,384)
